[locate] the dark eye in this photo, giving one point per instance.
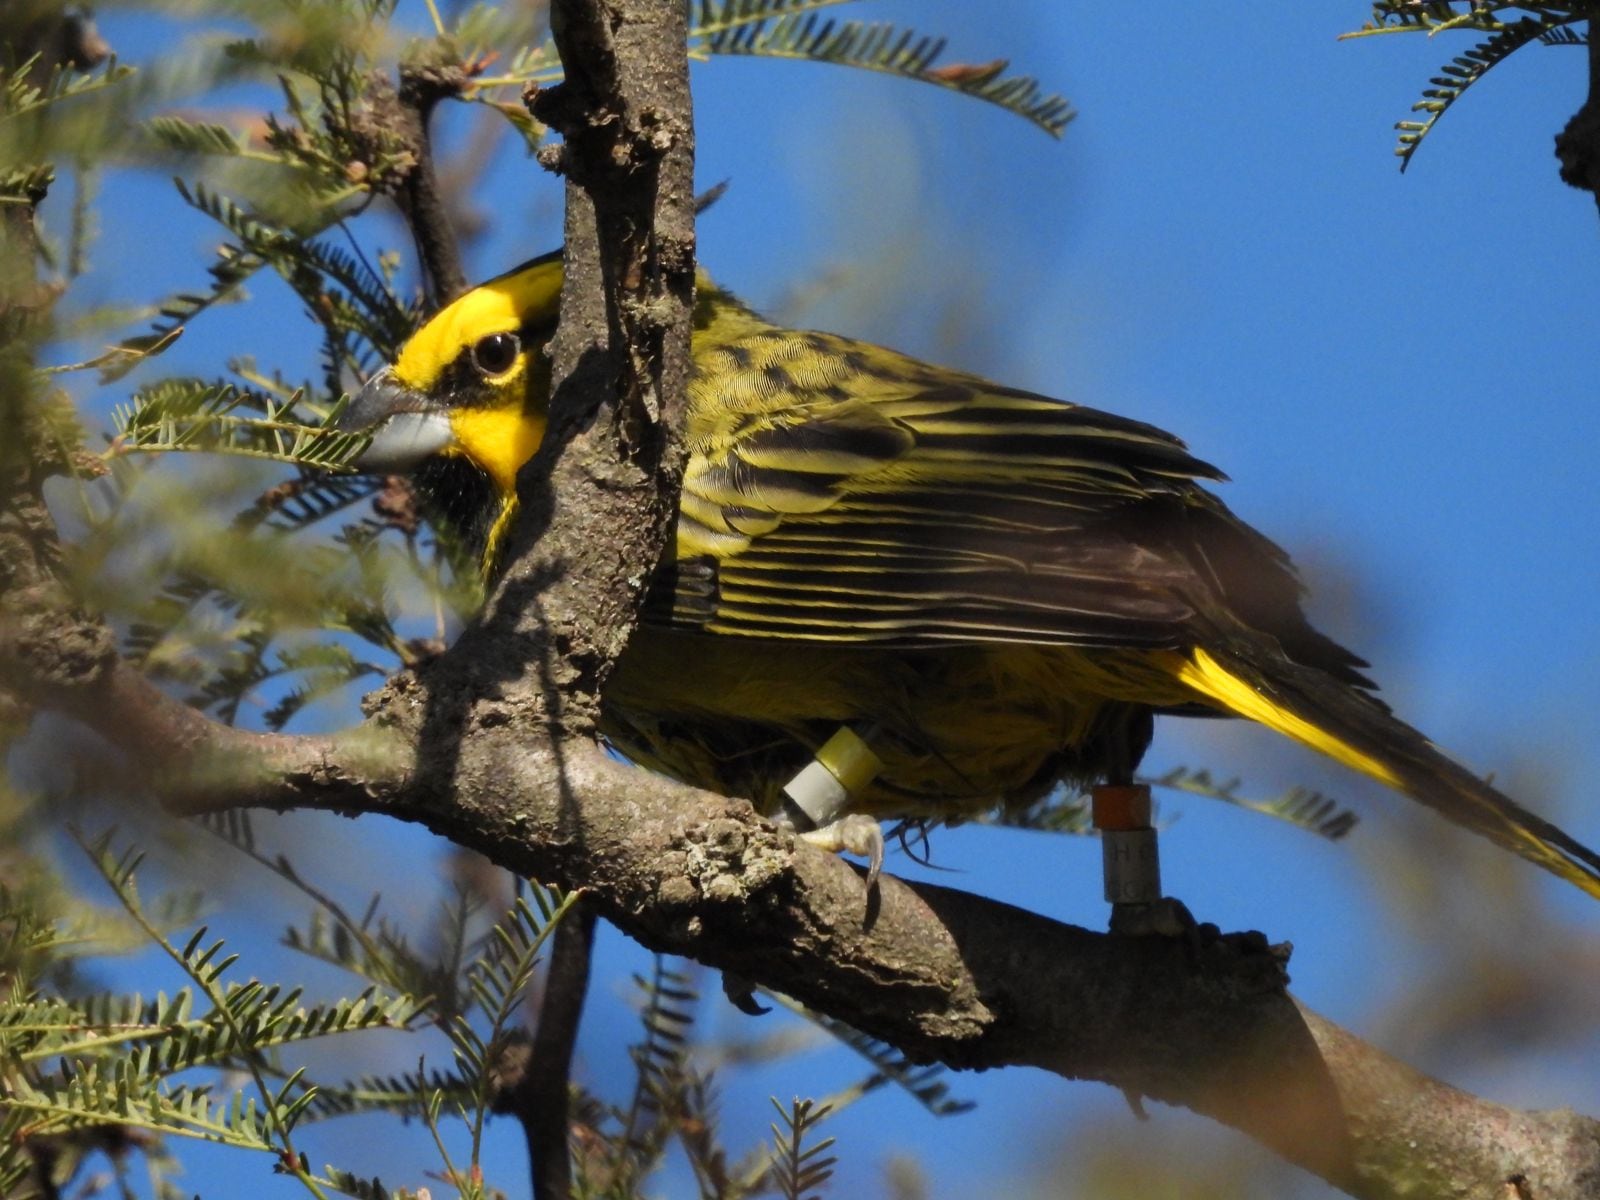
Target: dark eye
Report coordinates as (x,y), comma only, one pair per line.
(496,354)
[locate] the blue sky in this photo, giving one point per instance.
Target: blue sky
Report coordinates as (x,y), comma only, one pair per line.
(1397,372)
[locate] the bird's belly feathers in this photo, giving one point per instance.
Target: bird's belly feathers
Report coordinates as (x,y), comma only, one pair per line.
(959,729)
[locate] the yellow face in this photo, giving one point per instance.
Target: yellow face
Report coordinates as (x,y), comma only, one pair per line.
(472,382)
(466,403)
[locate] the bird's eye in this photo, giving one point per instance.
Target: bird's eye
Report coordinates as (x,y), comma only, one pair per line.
(495,354)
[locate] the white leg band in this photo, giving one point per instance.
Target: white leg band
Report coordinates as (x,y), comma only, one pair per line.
(1132,866)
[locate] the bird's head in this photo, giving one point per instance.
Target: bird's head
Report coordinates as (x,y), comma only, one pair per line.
(473,382)
(466,402)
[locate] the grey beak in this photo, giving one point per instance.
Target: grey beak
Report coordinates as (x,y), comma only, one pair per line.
(406,426)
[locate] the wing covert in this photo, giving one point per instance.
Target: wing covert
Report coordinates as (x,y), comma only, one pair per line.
(842,493)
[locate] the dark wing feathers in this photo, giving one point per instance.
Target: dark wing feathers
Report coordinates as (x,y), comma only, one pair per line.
(839,493)
(849,444)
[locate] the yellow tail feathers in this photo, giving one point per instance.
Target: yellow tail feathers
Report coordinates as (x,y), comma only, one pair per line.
(1410,763)
(1210,678)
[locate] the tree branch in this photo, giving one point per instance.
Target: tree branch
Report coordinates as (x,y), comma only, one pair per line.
(541,1099)
(942,975)
(603,489)
(492,746)
(391,120)
(421,201)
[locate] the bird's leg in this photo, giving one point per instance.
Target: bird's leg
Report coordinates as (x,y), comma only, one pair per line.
(815,799)
(813,806)
(1131,863)
(1130,858)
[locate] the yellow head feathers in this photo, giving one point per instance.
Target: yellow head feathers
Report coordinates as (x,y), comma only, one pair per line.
(502,305)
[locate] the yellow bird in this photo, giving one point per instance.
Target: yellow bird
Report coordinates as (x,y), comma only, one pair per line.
(994,591)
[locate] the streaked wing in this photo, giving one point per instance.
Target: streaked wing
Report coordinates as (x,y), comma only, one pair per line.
(838,492)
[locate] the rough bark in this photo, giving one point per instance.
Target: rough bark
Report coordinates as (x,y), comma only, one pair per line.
(492,746)
(941,974)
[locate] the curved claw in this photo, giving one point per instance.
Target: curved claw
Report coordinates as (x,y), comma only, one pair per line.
(853,834)
(741,993)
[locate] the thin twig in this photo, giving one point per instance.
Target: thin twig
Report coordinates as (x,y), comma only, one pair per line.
(419,197)
(541,1099)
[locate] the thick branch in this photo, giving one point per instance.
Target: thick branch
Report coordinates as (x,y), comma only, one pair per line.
(941,974)
(599,498)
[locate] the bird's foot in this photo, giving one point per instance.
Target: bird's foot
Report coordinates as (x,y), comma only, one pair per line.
(856,834)
(1170,918)
(1166,917)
